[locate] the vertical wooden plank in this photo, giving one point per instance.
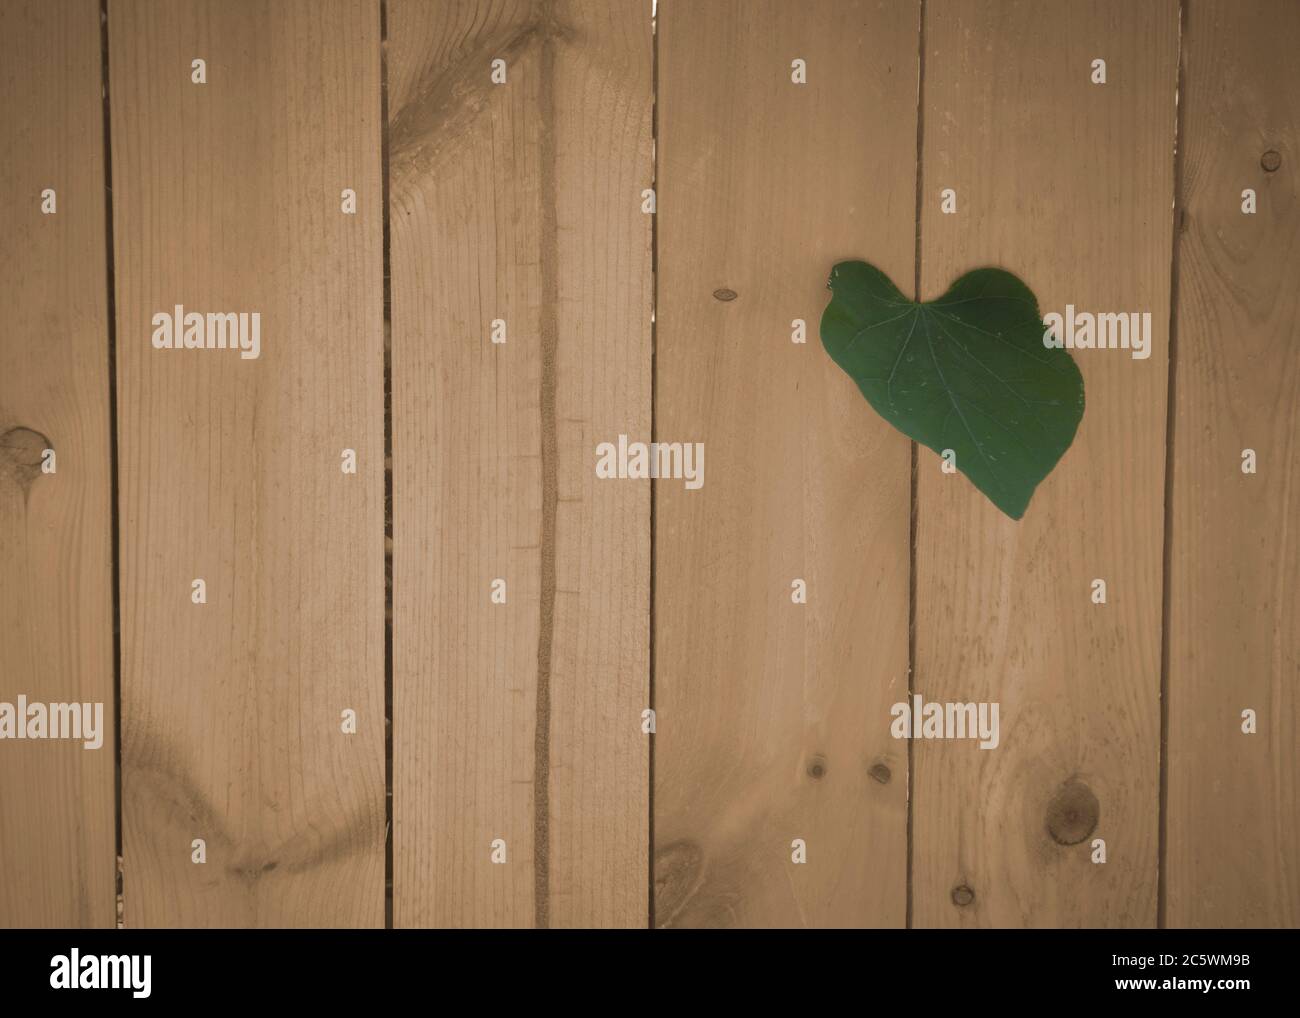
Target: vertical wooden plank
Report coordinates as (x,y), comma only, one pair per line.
(600,149)
(56,627)
(228,199)
(1068,184)
(773,717)
(519,202)
(1234,571)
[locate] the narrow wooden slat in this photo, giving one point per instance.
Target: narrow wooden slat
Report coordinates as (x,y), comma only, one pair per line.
(1234,572)
(1068,184)
(773,717)
(56,627)
(520,202)
(228,199)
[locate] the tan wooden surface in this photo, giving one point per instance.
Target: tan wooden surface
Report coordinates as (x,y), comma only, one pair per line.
(227,198)
(771,714)
(56,625)
(520,201)
(1235,566)
(1078,205)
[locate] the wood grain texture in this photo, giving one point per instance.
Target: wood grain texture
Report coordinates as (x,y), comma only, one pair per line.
(1234,570)
(227,199)
(771,714)
(520,202)
(56,626)
(1068,184)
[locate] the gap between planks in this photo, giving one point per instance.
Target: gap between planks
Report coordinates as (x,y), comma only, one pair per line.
(388,469)
(115,551)
(1171,412)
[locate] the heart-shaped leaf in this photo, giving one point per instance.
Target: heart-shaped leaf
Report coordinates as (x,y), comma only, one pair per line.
(967,372)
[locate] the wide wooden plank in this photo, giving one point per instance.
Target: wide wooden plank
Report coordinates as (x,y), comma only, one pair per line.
(518,202)
(56,628)
(1234,570)
(773,716)
(228,199)
(1068,183)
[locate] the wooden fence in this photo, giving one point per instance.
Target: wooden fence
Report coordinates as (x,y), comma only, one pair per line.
(484,237)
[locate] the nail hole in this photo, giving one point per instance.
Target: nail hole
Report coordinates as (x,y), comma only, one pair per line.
(817,768)
(1271,160)
(1072,814)
(962,895)
(724,294)
(880,773)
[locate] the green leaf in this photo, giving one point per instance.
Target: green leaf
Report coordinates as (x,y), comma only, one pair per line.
(966,372)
